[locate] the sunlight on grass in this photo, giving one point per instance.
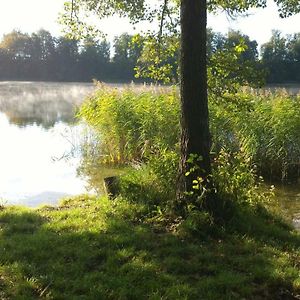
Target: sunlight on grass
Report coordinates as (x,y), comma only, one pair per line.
(92,248)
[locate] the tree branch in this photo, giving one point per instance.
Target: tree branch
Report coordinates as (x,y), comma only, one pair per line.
(72,10)
(163,14)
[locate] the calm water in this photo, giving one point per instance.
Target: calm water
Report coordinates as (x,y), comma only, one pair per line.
(289,198)
(39,138)
(292,89)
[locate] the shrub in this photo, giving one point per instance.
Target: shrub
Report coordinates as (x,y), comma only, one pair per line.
(236,181)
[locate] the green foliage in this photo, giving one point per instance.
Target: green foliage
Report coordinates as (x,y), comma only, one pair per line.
(153,183)
(198,223)
(159,58)
(232,60)
(161,46)
(252,134)
(40,56)
(228,71)
(164,165)
(264,126)
(133,123)
(141,186)
(285,7)
(142,129)
(269,133)
(134,126)
(140,10)
(235,184)
(281,58)
(236,180)
(200,183)
(126,55)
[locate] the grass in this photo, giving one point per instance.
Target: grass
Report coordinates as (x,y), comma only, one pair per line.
(90,248)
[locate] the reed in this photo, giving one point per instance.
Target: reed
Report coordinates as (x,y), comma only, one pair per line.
(134,123)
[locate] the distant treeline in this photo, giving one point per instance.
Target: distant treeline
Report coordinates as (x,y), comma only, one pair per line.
(40,56)
(279,57)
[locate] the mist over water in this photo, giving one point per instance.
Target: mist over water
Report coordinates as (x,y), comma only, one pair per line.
(27,103)
(39,138)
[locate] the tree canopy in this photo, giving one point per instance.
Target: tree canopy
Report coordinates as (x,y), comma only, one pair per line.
(137,10)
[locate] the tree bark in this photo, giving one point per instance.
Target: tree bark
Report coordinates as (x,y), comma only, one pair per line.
(195,135)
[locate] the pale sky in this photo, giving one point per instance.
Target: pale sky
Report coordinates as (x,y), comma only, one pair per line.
(31,15)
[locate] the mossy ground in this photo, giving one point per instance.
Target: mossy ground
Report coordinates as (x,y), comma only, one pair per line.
(91,248)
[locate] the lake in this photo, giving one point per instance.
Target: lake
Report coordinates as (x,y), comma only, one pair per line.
(40,142)
(289,199)
(292,89)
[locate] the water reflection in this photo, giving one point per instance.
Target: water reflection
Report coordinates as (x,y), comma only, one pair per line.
(38,138)
(289,198)
(42,104)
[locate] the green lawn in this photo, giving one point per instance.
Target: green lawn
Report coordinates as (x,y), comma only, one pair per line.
(92,248)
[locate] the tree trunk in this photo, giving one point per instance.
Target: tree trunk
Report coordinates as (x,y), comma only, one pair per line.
(195,136)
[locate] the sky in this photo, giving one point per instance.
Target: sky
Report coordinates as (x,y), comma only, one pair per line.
(31,15)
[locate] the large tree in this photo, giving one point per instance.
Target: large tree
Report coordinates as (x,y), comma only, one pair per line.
(195,138)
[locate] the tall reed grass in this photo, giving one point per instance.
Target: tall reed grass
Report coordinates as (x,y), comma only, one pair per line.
(264,126)
(133,124)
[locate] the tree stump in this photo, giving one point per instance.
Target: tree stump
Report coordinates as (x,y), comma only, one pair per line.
(112,187)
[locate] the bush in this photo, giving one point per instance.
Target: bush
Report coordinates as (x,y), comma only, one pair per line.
(236,181)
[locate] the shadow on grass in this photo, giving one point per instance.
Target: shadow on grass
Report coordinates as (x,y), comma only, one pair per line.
(266,227)
(42,258)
